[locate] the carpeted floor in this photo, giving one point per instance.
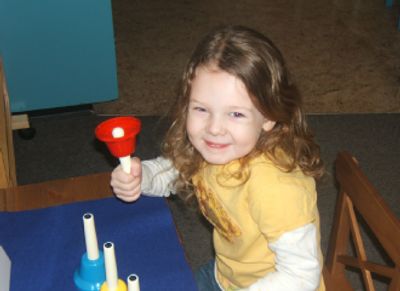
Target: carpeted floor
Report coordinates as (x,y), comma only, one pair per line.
(344,54)
(64,146)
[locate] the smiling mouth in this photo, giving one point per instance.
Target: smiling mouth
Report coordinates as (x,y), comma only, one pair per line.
(216,145)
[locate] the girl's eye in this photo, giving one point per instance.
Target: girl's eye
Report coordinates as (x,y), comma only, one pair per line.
(199,109)
(237,114)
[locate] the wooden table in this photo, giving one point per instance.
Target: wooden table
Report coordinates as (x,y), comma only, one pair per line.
(46,244)
(41,227)
(56,192)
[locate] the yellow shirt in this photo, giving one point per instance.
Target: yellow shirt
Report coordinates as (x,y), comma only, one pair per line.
(248,214)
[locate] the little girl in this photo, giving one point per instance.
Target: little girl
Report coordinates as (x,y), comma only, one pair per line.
(240,144)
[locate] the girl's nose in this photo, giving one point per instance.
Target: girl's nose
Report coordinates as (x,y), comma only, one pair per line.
(216,125)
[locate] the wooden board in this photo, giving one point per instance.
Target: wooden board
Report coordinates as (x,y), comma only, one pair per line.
(7,159)
(56,192)
(19,121)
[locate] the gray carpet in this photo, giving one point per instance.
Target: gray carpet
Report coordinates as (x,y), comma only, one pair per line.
(344,55)
(64,146)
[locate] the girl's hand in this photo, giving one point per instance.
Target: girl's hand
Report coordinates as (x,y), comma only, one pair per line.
(127,186)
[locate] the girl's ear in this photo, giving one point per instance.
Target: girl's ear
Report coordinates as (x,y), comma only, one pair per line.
(268,125)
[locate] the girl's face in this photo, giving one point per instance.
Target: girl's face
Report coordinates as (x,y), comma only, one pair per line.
(222,122)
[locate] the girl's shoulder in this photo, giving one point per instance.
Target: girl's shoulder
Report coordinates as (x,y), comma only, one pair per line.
(269,185)
(264,163)
(263,168)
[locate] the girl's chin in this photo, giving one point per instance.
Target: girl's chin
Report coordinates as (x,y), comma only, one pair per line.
(217,160)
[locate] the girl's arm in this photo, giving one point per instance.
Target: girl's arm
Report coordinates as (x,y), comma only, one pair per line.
(297,264)
(158,176)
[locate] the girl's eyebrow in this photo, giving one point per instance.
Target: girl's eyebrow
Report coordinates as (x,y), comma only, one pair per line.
(240,108)
(193,100)
(230,107)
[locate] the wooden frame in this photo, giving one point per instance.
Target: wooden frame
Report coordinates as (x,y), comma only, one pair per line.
(358,194)
(7,159)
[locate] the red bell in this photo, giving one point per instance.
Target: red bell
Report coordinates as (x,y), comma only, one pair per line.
(124,145)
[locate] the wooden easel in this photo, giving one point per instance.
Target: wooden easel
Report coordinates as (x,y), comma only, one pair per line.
(7,160)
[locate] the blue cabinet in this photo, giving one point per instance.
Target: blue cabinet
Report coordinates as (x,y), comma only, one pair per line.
(57,53)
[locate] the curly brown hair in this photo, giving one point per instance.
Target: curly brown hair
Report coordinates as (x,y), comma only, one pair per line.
(255,60)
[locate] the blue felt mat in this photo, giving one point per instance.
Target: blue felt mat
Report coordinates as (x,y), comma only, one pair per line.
(45,246)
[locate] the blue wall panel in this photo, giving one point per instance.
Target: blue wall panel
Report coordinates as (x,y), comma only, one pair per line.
(57,53)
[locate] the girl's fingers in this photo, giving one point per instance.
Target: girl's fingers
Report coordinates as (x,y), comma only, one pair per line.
(130,186)
(128,196)
(127,186)
(136,167)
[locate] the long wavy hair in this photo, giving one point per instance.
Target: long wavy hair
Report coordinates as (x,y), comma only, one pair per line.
(253,59)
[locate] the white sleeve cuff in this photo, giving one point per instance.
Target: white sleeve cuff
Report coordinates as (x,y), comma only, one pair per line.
(297,262)
(158,176)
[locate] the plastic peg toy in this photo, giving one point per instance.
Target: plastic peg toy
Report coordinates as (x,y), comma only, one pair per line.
(91,272)
(119,134)
(92,247)
(133,282)
(112,282)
